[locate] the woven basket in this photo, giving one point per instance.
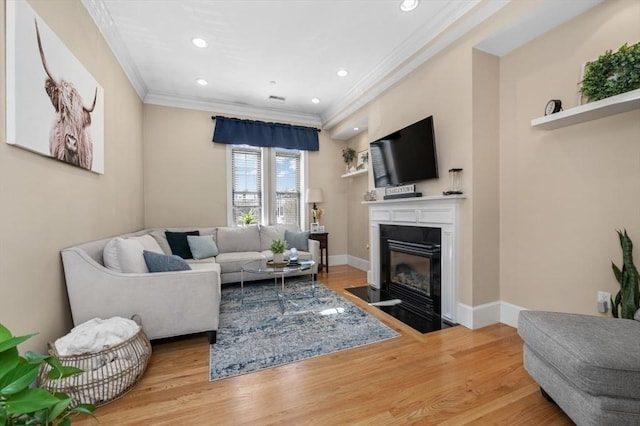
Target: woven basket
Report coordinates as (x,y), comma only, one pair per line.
(107,375)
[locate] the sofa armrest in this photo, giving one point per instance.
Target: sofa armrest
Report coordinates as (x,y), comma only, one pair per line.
(170,303)
(314,249)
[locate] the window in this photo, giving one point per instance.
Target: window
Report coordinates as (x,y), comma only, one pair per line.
(267,181)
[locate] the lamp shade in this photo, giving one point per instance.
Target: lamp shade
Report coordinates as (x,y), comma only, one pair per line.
(314,195)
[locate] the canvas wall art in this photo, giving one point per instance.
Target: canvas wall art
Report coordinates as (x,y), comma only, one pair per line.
(54,105)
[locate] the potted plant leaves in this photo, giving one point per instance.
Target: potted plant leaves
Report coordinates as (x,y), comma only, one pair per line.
(348,155)
(21,404)
(627,300)
(278,247)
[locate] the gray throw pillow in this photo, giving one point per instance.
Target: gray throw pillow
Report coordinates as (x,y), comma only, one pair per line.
(157,262)
(299,240)
(636,316)
(203,246)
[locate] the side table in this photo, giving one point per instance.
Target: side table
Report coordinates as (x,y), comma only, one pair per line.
(323,238)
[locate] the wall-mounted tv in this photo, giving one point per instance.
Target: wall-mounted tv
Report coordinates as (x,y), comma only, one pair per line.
(405,156)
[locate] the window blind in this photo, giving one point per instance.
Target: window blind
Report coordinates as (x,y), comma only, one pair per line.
(246,171)
(287,186)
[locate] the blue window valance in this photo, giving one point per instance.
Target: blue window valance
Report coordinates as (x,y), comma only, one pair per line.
(234,131)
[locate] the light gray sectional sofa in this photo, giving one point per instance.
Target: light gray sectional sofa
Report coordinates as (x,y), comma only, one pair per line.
(589,366)
(170,303)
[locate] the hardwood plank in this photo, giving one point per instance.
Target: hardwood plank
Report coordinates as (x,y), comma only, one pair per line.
(455,377)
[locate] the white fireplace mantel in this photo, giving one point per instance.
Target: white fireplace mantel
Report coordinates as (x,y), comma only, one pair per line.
(432,211)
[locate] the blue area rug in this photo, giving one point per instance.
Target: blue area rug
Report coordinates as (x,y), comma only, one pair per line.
(258,335)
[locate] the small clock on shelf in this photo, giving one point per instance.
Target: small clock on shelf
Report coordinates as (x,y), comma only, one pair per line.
(553,106)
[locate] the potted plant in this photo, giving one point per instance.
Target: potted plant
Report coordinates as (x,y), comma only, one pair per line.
(612,73)
(278,247)
(627,299)
(348,155)
(21,404)
(247,217)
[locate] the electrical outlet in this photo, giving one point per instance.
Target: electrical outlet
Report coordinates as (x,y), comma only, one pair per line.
(603,301)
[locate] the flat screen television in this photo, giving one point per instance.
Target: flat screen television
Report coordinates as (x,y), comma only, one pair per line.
(405,156)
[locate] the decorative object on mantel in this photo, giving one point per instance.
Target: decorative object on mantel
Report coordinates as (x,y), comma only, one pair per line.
(627,300)
(278,247)
(455,182)
(371,195)
(612,73)
(314,195)
(404,191)
(363,160)
(348,155)
(553,106)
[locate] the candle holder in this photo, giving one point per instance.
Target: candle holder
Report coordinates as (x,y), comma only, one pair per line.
(455,182)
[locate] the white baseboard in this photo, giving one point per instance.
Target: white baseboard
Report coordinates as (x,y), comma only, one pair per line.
(474,317)
(339,259)
(356,262)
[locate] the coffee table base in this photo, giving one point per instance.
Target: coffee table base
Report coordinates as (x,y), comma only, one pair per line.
(281,296)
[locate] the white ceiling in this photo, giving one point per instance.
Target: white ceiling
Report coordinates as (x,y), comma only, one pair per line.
(285,48)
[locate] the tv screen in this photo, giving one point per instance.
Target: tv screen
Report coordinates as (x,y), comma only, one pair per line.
(405,156)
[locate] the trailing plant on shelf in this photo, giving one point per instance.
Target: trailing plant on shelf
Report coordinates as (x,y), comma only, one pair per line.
(612,73)
(348,155)
(627,300)
(247,217)
(21,404)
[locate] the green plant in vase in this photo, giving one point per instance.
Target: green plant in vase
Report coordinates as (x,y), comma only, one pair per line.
(627,300)
(348,155)
(21,404)
(612,73)
(278,247)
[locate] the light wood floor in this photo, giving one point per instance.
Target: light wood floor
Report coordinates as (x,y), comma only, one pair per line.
(454,377)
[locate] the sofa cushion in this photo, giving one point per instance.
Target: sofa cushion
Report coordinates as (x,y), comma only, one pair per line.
(238,239)
(124,255)
(268,233)
(232,261)
(158,262)
(179,244)
(161,239)
(202,247)
(600,356)
(149,243)
(299,240)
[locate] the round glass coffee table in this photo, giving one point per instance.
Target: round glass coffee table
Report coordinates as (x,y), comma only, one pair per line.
(267,268)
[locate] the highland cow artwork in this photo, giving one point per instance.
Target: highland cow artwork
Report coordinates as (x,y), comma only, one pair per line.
(54,105)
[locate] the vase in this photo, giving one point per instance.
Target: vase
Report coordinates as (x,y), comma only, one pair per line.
(278,257)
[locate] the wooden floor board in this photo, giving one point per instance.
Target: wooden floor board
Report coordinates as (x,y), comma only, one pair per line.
(455,377)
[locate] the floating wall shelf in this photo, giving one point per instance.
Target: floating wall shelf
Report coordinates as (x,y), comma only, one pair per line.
(356,173)
(603,108)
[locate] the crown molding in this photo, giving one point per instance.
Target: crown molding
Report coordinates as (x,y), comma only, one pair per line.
(234,109)
(354,101)
(105,24)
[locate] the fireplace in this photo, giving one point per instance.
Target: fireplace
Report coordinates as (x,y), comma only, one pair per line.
(410,267)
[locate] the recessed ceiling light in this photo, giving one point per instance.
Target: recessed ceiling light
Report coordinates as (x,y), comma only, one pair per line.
(355,129)
(408,5)
(202,81)
(342,73)
(199,42)
(315,100)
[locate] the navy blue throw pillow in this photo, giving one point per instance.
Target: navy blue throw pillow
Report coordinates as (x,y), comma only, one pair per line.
(179,244)
(157,262)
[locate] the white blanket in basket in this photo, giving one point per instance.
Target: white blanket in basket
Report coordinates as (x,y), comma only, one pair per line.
(96,335)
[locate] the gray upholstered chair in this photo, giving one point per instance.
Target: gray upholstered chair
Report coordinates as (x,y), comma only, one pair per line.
(589,366)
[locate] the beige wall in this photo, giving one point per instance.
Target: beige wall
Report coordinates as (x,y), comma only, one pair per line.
(565,191)
(358,218)
(485,185)
(48,205)
(186,174)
